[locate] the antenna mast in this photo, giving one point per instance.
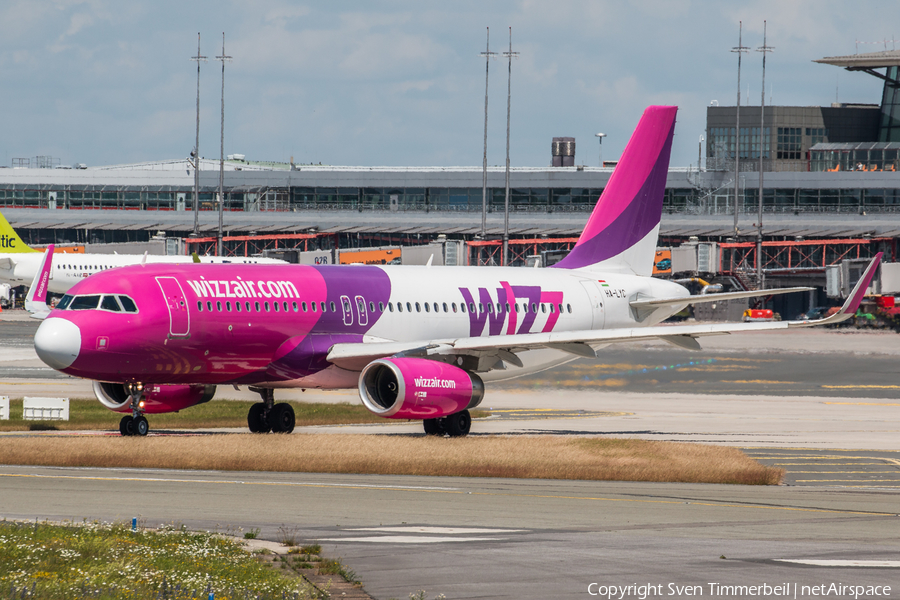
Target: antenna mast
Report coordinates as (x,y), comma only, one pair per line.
(762,150)
(740,49)
(510,55)
(487,54)
(222,58)
(196,153)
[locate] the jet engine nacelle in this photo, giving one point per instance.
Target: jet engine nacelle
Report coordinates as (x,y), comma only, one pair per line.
(157,398)
(416,388)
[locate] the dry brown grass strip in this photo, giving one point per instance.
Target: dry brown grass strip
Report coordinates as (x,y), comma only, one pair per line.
(543,457)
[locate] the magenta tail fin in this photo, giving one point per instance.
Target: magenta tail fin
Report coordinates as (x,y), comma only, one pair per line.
(621,234)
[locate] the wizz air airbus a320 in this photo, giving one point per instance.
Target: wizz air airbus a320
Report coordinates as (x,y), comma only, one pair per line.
(418,342)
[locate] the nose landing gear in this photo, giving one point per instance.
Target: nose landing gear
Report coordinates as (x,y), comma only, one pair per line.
(135,423)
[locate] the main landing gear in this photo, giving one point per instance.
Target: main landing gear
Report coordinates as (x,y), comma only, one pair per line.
(267,416)
(135,423)
(455,425)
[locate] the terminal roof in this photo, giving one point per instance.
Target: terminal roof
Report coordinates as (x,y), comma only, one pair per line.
(869,60)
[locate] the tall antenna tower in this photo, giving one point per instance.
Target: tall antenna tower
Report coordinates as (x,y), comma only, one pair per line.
(487,54)
(510,55)
(195,155)
(222,58)
(762,124)
(740,49)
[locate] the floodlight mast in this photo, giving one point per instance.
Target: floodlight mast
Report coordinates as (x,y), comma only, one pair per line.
(510,55)
(222,58)
(487,54)
(196,153)
(600,137)
(740,49)
(762,148)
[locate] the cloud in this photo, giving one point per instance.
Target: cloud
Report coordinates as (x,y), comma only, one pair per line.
(401,82)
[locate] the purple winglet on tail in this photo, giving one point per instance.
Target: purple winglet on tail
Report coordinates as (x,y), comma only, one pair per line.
(631,204)
(36,299)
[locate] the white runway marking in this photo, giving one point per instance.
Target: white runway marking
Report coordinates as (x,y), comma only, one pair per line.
(842,563)
(234,481)
(435,530)
(410,539)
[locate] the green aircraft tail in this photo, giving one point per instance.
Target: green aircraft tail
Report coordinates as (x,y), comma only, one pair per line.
(10,242)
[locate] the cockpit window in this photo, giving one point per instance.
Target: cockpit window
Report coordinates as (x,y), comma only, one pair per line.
(128,304)
(109,303)
(84,302)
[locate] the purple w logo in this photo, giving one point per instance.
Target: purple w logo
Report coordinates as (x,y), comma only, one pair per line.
(506,308)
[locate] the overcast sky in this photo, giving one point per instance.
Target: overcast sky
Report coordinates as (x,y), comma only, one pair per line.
(402,83)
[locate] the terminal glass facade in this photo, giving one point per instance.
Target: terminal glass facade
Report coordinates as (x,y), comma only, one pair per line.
(889,127)
(686,200)
(855,157)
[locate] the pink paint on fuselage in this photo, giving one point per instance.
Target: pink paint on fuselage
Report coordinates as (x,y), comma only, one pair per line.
(220,344)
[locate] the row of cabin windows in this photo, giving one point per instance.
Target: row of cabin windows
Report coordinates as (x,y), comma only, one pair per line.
(69,267)
(284,306)
(534,307)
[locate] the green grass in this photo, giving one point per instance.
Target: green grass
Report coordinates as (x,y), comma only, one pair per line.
(111,562)
(90,414)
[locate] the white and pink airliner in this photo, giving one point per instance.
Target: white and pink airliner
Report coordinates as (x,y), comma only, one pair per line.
(417,342)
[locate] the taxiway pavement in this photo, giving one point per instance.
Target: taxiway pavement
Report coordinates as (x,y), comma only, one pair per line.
(822,404)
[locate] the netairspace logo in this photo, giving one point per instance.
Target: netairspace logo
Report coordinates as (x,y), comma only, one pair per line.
(721,590)
(434,382)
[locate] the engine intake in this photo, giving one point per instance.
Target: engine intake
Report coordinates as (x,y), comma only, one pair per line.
(157,398)
(417,388)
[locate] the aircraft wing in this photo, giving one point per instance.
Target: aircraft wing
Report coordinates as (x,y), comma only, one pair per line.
(355,356)
(654,303)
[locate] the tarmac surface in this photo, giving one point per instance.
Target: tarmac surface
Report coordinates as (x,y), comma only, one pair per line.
(822,404)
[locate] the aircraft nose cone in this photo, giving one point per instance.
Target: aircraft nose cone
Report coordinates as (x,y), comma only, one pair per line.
(57,342)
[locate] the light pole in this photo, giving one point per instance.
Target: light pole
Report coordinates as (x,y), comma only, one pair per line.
(219,237)
(510,55)
(196,153)
(739,49)
(600,137)
(763,149)
(700,154)
(487,54)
